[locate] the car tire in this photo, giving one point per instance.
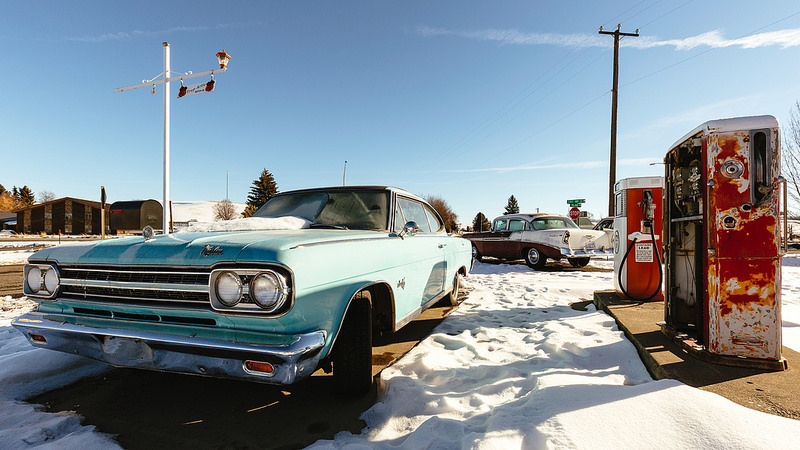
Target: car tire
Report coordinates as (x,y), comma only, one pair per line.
(352,353)
(534,258)
(476,255)
(452,297)
(578,262)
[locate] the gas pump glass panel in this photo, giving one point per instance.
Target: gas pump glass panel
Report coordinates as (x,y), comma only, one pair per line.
(722,217)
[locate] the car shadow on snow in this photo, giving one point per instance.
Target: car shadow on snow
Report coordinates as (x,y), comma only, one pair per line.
(520,266)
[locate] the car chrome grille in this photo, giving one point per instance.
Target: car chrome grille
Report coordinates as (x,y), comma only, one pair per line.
(169,287)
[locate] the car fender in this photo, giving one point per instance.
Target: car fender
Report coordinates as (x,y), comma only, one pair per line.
(382,303)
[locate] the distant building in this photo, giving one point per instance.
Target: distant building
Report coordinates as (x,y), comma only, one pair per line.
(8,220)
(65,215)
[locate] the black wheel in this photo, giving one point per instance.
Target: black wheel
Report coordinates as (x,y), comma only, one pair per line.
(535,259)
(452,297)
(578,262)
(352,352)
(476,255)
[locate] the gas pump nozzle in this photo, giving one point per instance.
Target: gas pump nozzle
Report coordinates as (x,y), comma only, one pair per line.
(648,207)
(648,212)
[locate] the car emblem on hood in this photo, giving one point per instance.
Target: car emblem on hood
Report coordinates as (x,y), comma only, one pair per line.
(209,250)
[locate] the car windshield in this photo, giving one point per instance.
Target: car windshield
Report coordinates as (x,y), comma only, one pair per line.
(550,223)
(356,210)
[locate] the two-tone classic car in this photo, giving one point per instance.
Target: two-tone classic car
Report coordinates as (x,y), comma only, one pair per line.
(539,237)
(304,284)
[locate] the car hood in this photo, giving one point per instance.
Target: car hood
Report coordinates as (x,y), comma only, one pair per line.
(197,249)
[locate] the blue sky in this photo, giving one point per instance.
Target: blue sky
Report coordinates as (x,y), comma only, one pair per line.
(470,101)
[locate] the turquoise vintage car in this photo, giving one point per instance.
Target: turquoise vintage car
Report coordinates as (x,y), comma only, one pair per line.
(305,283)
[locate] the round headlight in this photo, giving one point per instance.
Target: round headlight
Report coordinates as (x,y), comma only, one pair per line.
(34,279)
(266,291)
(51,281)
(228,288)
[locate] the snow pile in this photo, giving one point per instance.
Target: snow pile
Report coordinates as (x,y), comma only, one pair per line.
(26,371)
(14,256)
(516,367)
(200,211)
(250,224)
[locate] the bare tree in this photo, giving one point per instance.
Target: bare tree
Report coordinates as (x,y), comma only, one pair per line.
(791,156)
(46,196)
(444,210)
(224,210)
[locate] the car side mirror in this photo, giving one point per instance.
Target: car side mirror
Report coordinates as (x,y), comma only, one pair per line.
(411,228)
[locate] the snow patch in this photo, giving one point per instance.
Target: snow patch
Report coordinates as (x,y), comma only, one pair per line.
(250,224)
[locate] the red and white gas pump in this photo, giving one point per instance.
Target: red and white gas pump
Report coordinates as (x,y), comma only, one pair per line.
(637,238)
(723,247)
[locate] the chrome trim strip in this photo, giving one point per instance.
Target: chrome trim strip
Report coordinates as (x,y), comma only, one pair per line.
(381,238)
(171,353)
(141,301)
(136,285)
(584,253)
(344,241)
(67,268)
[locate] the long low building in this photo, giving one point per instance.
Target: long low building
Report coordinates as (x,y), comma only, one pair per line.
(65,215)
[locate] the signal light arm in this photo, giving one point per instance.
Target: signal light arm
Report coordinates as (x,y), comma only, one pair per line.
(181,77)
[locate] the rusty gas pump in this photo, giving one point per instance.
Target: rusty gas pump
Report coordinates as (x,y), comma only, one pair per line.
(723,241)
(637,238)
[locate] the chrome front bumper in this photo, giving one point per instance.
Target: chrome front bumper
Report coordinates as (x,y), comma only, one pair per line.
(170,353)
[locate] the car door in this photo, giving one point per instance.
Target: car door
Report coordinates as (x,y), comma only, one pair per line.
(496,244)
(427,276)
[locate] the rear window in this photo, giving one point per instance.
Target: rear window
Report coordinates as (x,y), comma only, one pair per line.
(551,223)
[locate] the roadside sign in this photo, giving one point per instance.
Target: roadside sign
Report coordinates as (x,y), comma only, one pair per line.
(574,213)
(576,202)
(194,89)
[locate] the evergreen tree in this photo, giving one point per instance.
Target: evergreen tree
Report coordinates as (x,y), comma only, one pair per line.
(481,223)
(512,207)
(2,189)
(263,189)
(26,196)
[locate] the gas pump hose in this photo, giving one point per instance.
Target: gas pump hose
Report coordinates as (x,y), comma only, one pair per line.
(658,260)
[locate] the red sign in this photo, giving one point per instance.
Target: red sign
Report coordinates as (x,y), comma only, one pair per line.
(574,213)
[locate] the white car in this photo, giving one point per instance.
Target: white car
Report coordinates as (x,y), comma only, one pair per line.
(537,237)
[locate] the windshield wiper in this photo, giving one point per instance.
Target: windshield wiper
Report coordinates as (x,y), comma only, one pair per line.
(327,225)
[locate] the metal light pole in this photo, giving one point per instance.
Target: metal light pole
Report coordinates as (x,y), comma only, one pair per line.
(166,209)
(223,59)
(344,173)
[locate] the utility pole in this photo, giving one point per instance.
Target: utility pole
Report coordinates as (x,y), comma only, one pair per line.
(612,176)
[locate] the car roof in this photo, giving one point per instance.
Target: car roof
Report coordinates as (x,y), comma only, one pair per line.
(529,217)
(356,188)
